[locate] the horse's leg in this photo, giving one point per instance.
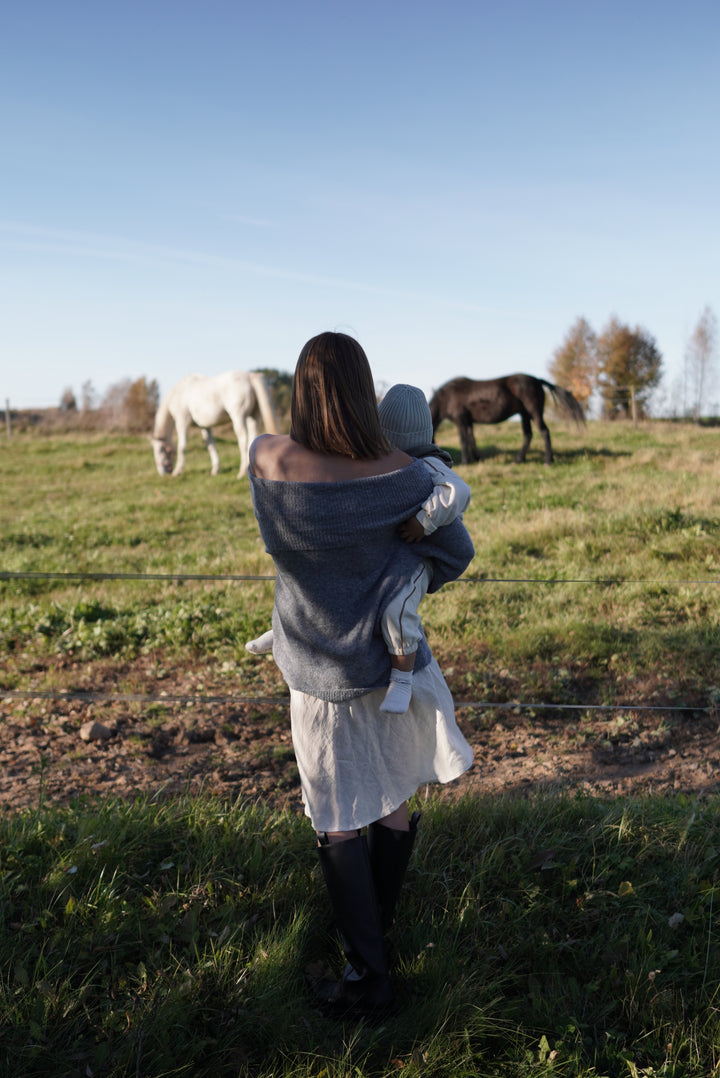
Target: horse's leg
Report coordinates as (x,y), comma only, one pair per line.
(245,432)
(251,429)
(542,425)
(527,437)
(210,443)
(474,452)
(182,429)
(468,448)
(462,435)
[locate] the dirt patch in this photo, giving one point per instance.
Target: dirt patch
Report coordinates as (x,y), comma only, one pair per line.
(240,750)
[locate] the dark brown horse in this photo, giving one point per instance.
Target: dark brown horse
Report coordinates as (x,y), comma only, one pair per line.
(466,402)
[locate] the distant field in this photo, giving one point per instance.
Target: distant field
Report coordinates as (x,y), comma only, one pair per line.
(595,579)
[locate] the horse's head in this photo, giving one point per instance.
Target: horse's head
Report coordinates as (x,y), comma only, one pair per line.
(164,456)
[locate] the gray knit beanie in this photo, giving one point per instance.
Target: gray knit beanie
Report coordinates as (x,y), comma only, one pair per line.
(405,417)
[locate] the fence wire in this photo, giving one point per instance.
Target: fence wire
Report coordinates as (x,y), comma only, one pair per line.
(179,698)
(70,575)
(477,705)
(175,577)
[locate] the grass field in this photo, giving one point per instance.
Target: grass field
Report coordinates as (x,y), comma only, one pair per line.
(602,570)
(556,934)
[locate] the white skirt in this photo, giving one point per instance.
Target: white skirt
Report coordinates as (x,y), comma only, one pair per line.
(358,764)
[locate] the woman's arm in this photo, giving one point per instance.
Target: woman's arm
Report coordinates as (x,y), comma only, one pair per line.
(449,499)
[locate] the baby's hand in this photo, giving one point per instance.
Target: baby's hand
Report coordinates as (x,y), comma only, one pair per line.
(411,530)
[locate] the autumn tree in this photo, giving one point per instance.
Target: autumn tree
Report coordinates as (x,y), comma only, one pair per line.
(131,405)
(629,367)
(574,363)
(112,403)
(141,404)
(700,360)
(88,396)
(68,402)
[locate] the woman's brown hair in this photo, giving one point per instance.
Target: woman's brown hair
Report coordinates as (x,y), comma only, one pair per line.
(333,408)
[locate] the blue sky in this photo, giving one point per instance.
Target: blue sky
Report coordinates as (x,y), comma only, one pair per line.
(203,186)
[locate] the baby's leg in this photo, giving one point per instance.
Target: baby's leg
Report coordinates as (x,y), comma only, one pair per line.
(261,644)
(399,690)
(402,630)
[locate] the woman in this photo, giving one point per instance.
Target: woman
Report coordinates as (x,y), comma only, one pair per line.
(330,498)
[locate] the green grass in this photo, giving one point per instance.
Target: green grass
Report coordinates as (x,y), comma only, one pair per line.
(536,937)
(605,565)
(548,936)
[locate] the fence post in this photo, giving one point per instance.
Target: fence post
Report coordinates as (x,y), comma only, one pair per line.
(633,405)
(8,426)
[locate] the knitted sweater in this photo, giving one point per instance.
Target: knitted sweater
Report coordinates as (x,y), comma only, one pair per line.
(339,558)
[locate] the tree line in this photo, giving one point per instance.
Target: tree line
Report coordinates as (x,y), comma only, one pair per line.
(127,405)
(621,367)
(131,405)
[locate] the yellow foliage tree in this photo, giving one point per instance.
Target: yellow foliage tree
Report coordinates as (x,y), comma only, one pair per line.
(574,363)
(629,368)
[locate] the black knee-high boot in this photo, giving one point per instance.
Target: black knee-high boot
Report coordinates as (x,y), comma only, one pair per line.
(365,986)
(389,856)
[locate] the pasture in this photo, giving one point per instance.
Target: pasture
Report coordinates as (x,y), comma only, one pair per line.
(550,925)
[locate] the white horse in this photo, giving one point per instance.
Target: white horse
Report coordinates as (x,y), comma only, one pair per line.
(243,396)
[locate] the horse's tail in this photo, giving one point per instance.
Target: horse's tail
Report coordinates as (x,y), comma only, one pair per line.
(265,402)
(565,401)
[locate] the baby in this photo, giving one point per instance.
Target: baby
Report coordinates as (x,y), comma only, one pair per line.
(407,424)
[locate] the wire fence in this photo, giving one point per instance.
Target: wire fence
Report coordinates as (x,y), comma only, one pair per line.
(170,577)
(82,695)
(605,581)
(86,696)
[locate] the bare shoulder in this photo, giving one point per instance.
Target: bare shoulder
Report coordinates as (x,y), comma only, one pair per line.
(266,454)
(279,457)
(395,461)
(345,468)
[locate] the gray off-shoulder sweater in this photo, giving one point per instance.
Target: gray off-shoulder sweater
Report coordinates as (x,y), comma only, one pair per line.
(339,558)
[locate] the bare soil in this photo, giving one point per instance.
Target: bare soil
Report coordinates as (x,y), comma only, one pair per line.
(244,751)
